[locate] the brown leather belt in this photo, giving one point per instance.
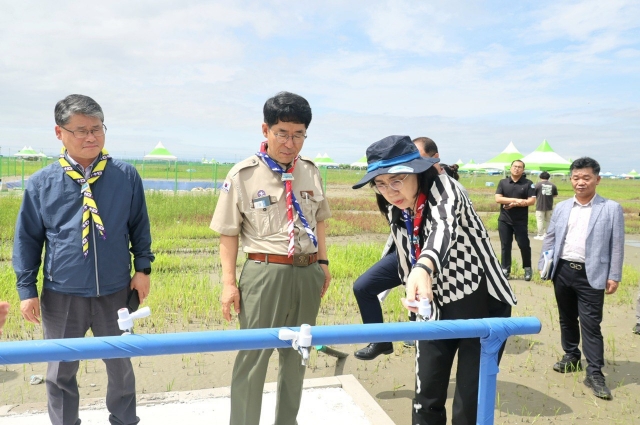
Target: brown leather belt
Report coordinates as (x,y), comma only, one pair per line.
(298,260)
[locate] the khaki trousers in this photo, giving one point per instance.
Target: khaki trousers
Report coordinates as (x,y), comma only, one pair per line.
(272,296)
(542,220)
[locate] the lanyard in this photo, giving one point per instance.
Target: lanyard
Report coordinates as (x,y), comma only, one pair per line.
(413,227)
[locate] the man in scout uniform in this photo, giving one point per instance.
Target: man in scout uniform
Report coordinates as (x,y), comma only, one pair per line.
(274,201)
(88,210)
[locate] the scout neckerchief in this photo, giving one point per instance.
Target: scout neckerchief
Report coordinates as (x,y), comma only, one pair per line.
(89,207)
(414,232)
(292,202)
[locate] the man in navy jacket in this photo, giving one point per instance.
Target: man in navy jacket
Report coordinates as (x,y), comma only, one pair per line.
(89,212)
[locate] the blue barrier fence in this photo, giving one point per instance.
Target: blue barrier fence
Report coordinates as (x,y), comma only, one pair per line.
(492,333)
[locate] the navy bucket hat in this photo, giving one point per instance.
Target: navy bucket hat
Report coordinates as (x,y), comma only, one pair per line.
(394,155)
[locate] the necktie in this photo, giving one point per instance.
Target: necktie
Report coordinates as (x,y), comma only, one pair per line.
(89,206)
(292,202)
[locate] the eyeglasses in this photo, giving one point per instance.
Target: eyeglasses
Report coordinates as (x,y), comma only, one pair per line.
(396,185)
(83,134)
(283,137)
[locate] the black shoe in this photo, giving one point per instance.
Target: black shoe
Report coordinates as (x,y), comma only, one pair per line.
(598,386)
(636,329)
(373,350)
(527,273)
(568,363)
(507,273)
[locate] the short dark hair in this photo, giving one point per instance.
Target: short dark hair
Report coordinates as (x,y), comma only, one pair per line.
(585,162)
(428,145)
(76,104)
(544,175)
(451,170)
(287,107)
(425,180)
(520,161)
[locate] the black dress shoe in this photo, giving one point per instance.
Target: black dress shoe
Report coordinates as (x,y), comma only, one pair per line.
(507,273)
(373,350)
(568,363)
(598,386)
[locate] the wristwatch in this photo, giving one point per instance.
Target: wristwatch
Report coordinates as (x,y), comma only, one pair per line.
(146,270)
(424,267)
(325,262)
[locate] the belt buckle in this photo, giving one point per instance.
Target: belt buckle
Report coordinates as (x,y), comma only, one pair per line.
(575,266)
(300,260)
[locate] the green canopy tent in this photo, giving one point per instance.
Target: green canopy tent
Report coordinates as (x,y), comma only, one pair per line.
(470,167)
(632,174)
(544,158)
(160,153)
(29,154)
(459,163)
(503,159)
(325,161)
(361,163)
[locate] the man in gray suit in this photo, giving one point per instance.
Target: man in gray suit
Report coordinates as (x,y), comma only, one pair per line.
(586,235)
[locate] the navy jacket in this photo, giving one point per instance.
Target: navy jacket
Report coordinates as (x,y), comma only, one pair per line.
(51,216)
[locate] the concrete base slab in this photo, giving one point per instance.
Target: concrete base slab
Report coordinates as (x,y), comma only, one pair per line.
(334,400)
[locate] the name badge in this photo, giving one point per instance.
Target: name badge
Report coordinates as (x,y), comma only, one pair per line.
(85,187)
(262,202)
(287,177)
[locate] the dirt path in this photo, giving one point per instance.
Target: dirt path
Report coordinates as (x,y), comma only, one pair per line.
(529,390)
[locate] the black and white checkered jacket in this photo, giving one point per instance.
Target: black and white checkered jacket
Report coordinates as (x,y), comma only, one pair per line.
(454,238)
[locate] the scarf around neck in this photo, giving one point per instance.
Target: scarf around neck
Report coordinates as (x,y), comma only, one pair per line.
(89,206)
(292,202)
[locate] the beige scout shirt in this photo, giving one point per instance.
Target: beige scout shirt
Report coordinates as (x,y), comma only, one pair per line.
(264,230)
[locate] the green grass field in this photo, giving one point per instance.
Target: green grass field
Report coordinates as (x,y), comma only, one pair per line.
(187,271)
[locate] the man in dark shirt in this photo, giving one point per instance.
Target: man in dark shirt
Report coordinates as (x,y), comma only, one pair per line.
(545,192)
(515,194)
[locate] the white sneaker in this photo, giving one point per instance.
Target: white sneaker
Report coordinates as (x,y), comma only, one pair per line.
(539,238)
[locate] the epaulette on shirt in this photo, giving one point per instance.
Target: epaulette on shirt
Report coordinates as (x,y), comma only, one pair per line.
(307,159)
(252,161)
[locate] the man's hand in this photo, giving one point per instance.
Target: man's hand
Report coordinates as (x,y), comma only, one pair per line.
(4,311)
(142,283)
(612,286)
(30,310)
(327,279)
(230,295)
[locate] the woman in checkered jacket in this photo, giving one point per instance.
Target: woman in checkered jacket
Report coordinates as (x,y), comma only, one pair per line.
(444,254)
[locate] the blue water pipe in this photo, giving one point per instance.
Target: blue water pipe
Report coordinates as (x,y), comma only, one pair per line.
(492,333)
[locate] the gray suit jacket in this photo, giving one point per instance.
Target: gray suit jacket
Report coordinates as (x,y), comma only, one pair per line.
(604,250)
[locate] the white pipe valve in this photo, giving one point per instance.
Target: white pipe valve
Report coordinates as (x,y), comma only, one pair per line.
(424,307)
(125,319)
(300,341)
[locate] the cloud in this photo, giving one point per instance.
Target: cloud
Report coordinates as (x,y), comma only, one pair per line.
(195,74)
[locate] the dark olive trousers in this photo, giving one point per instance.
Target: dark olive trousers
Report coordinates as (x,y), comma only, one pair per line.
(272,296)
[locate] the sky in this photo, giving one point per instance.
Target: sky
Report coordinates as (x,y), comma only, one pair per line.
(194,75)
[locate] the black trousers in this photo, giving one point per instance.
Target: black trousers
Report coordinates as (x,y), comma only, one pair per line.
(580,310)
(521,232)
(434,360)
(381,276)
